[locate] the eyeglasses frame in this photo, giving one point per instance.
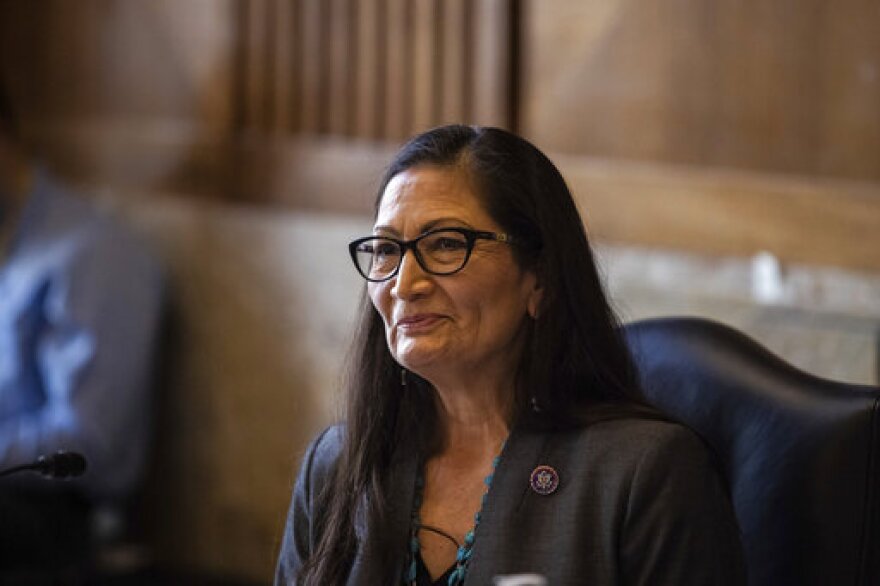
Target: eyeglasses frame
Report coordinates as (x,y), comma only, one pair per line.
(470,235)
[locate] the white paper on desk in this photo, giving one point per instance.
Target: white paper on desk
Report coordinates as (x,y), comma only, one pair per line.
(520,580)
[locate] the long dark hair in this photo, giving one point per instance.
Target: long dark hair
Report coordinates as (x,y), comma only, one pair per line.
(575,363)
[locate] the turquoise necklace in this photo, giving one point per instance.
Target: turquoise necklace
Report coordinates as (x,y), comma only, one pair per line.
(465,550)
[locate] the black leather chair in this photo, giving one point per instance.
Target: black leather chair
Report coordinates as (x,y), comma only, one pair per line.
(801,454)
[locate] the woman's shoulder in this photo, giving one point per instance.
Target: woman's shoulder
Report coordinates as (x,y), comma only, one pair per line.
(637,457)
(323,452)
(640,441)
(328,443)
(639,431)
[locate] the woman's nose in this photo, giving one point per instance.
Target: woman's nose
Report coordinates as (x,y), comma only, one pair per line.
(411,279)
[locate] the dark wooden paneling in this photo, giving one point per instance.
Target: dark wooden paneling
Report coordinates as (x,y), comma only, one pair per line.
(114,92)
(786,86)
(381,69)
(398,70)
(204,95)
(283,22)
(313,80)
(370,71)
(426,31)
(799,219)
(455,80)
(342,63)
(492,66)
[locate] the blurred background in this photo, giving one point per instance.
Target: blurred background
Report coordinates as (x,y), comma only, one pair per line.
(725,156)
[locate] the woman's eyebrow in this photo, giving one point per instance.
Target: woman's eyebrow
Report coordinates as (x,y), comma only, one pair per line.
(426,227)
(386,230)
(458,222)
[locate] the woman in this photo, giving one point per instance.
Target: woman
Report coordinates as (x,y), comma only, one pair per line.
(494,424)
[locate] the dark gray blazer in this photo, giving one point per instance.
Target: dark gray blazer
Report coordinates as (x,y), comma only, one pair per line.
(638,503)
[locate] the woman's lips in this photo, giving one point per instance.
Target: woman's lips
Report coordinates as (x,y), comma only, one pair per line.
(422,322)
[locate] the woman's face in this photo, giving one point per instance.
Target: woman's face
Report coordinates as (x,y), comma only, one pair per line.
(458,325)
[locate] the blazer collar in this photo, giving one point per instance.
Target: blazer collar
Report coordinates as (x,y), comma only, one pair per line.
(525,449)
(405,463)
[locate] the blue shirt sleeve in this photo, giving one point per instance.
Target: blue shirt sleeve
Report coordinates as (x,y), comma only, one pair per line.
(78,325)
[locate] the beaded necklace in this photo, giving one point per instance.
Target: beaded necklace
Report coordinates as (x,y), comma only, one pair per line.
(465,550)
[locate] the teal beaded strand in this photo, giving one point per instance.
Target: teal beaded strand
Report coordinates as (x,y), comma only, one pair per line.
(465,550)
(412,571)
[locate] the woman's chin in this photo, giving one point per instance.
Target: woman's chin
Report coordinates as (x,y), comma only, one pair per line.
(421,361)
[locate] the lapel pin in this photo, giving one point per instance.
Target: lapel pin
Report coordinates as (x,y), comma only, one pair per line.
(544,480)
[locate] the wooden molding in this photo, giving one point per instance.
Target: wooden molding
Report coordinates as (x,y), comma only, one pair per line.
(747,85)
(326,174)
(726,212)
(715,211)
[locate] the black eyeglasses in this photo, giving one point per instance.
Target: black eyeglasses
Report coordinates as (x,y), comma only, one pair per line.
(439,252)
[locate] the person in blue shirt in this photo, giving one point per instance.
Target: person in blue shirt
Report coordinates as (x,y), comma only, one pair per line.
(80,306)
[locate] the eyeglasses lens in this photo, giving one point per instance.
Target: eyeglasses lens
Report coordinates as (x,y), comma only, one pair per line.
(441,252)
(377,258)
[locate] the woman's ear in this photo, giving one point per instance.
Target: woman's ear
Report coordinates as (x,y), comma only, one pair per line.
(533,304)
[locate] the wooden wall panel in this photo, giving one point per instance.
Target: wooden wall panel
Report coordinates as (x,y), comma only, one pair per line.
(370,72)
(381,69)
(728,213)
(455,80)
(426,32)
(342,62)
(126,93)
(788,86)
(398,76)
(283,21)
(202,96)
(166,93)
(492,65)
(712,211)
(311,83)
(256,63)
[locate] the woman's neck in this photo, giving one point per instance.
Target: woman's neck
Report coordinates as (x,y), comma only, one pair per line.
(473,423)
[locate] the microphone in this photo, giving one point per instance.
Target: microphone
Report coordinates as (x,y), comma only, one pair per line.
(60,465)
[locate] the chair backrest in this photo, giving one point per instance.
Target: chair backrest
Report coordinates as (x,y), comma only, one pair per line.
(801,454)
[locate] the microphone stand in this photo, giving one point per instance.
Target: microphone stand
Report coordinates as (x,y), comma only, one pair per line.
(60,466)
(15,469)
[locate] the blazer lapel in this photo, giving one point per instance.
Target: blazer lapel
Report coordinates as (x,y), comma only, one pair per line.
(364,570)
(510,486)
